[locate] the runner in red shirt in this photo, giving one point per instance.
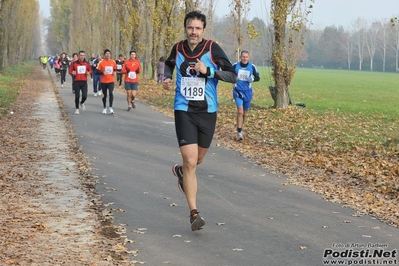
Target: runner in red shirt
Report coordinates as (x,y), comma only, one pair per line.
(107,67)
(131,68)
(79,70)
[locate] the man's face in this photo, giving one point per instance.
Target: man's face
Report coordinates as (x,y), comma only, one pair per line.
(81,56)
(132,55)
(107,55)
(244,58)
(194,31)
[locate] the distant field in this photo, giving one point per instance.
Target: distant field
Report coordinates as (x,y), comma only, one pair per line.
(339,90)
(11,80)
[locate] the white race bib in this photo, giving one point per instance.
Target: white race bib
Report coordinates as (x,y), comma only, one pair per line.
(243,75)
(109,69)
(81,69)
(193,89)
(118,67)
(132,75)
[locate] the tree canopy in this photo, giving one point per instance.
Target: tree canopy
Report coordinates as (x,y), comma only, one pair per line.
(19,31)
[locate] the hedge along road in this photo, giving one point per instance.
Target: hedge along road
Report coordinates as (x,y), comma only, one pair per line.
(252,218)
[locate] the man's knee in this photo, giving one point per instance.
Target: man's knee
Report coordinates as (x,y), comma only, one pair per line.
(191,162)
(240,111)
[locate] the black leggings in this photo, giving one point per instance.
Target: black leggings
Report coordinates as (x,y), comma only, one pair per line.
(63,74)
(119,78)
(105,87)
(78,86)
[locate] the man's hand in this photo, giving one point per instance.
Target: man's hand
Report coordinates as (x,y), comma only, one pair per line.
(200,67)
(167,83)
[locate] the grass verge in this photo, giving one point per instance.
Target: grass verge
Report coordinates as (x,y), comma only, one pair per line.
(11,80)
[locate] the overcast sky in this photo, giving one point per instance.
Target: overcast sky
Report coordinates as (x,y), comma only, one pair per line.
(325,12)
(329,12)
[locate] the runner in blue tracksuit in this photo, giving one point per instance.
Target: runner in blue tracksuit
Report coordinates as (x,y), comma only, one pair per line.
(242,90)
(199,65)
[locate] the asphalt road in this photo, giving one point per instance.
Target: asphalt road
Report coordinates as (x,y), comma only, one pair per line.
(251,217)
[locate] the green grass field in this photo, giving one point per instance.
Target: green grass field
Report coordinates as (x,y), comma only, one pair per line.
(357,92)
(11,79)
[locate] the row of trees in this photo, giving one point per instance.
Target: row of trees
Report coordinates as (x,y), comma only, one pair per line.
(151,27)
(360,47)
(19,31)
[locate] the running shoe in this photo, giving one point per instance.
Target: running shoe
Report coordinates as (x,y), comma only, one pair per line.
(77,112)
(99,93)
(197,222)
(82,105)
(95,94)
(111,111)
(133,105)
(178,172)
(129,108)
(240,136)
(62,85)
(105,111)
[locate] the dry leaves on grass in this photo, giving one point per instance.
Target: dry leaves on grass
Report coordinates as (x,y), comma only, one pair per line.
(39,224)
(350,159)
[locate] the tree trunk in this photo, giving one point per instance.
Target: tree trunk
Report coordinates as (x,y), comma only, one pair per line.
(2,45)
(280,9)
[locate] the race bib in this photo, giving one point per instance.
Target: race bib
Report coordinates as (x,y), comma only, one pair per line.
(132,75)
(243,75)
(118,67)
(193,89)
(81,69)
(109,69)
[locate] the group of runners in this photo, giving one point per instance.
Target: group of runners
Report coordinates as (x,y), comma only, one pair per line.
(101,70)
(199,65)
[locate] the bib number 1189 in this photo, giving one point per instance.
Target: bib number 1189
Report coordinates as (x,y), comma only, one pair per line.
(193,88)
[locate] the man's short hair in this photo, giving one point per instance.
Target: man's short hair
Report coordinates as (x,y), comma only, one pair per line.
(195,15)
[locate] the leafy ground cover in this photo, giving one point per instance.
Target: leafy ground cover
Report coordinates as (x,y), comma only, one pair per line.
(46,218)
(350,157)
(11,80)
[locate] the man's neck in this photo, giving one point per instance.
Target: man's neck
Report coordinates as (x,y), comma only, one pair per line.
(192,47)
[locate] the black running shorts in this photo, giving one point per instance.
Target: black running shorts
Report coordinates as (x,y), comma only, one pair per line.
(195,128)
